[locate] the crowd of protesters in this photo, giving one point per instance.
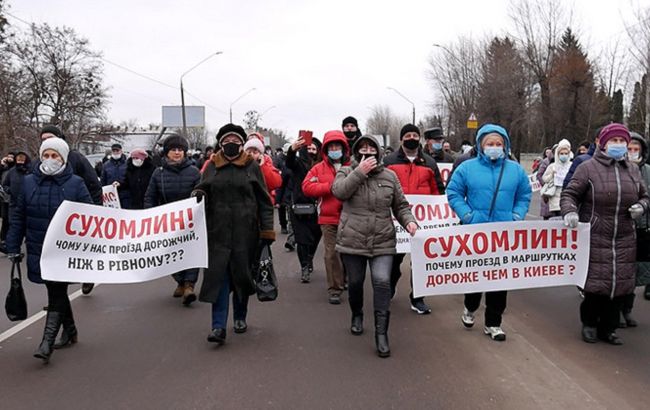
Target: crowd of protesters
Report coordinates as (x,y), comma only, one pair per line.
(344,191)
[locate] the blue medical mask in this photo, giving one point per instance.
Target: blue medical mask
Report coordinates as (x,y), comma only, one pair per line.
(616,151)
(564,157)
(494,153)
(335,155)
(437,146)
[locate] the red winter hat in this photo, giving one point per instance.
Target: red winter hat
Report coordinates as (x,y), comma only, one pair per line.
(611,131)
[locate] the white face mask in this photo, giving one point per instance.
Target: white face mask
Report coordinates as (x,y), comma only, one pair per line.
(633,156)
(116,156)
(51,166)
(137,162)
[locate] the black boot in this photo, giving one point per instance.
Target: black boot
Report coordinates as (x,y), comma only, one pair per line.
(381,333)
(357,324)
(69,333)
(305,276)
(646,292)
(52,325)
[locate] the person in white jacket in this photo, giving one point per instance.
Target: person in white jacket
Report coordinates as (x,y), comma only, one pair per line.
(554,175)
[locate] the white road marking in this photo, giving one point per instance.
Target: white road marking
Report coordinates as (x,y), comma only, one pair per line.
(33,319)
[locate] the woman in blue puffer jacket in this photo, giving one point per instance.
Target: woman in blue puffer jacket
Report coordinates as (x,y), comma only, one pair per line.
(51,183)
(474,196)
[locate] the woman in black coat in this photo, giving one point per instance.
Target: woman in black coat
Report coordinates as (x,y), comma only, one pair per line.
(139,170)
(304,215)
(239,215)
(171,182)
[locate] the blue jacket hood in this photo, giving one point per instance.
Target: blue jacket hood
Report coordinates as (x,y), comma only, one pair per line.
(488,129)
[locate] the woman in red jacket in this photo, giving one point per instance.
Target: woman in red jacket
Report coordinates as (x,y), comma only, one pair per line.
(318,184)
(272,176)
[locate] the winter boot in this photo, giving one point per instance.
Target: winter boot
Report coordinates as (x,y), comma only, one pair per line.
(381,333)
(69,333)
(180,289)
(52,325)
(188,294)
(305,275)
(357,324)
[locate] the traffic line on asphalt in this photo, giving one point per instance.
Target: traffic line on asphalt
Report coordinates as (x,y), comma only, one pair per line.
(33,319)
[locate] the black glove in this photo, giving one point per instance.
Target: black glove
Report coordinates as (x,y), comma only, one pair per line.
(199,195)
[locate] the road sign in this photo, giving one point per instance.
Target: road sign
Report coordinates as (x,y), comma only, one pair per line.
(172,116)
(472,122)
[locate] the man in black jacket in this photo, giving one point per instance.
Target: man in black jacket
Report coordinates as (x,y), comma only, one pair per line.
(83,168)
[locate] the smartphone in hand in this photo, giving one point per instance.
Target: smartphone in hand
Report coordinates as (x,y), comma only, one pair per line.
(306,136)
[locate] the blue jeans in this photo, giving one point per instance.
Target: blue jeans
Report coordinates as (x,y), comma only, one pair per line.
(380,270)
(220,308)
(187,275)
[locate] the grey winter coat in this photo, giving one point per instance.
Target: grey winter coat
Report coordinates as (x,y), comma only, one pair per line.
(601,191)
(366,226)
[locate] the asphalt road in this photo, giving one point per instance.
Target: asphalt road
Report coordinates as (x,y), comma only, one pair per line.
(140,349)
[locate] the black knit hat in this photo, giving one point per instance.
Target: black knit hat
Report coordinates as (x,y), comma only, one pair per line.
(231,129)
(174,141)
(350,120)
(408,128)
(116,146)
(434,133)
(51,129)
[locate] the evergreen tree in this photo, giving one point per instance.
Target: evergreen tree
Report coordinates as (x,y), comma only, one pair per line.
(636,118)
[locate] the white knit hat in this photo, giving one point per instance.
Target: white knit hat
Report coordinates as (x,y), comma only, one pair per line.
(56,144)
(254,143)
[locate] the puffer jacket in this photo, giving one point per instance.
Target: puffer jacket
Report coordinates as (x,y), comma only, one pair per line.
(40,197)
(170,183)
(601,191)
(420,177)
(319,180)
(136,182)
(554,169)
(471,187)
(366,227)
(115,170)
(272,177)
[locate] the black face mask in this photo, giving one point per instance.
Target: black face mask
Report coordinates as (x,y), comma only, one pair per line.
(350,134)
(231,149)
(411,144)
(313,155)
(21,167)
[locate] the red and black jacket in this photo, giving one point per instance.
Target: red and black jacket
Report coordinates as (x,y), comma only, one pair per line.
(420,177)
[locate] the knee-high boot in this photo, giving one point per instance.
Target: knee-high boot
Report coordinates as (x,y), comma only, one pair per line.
(52,325)
(69,333)
(382,319)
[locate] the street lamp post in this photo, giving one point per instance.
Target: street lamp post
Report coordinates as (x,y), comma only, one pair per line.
(410,102)
(183,92)
(239,98)
(259,116)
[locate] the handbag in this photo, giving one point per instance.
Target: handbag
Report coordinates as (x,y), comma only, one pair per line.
(16,304)
(304,209)
(548,189)
(266,283)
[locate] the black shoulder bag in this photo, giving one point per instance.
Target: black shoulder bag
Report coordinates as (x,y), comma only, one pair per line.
(16,304)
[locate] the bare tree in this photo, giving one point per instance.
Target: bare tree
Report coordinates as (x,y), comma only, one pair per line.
(639,33)
(455,72)
(538,28)
(64,79)
(383,122)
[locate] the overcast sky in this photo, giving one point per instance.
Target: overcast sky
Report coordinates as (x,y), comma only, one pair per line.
(317,62)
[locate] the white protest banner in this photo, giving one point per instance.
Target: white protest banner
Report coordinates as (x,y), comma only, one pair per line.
(445,172)
(431,212)
(94,244)
(499,256)
(110,198)
(534,183)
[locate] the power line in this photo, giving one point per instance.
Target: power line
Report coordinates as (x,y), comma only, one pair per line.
(146,77)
